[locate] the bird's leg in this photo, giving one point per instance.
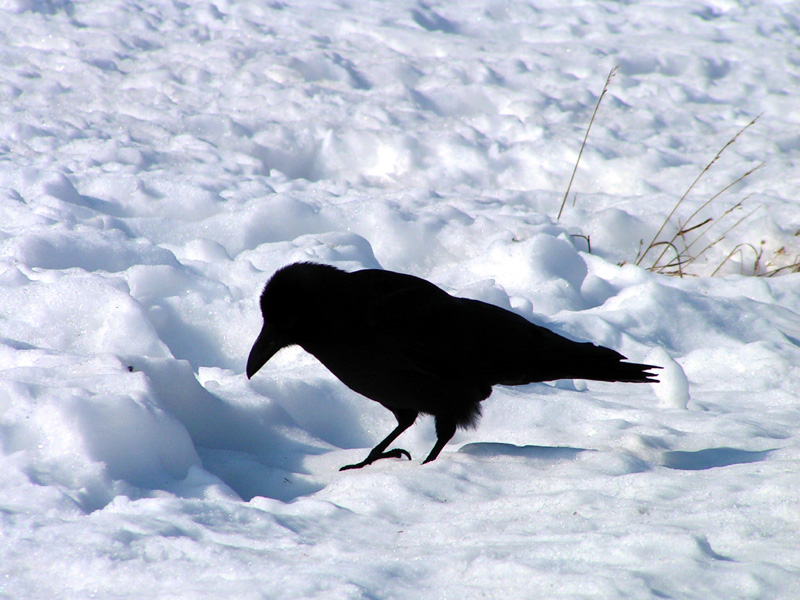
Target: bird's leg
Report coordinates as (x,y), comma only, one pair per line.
(405,419)
(445,430)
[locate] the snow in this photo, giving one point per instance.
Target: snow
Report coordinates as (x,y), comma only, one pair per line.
(159,160)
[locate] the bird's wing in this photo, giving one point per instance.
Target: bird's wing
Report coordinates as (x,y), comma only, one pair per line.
(424,330)
(458,339)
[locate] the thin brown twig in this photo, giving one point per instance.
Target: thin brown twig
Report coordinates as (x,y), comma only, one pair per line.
(715,222)
(736,248)
(722,191)
(586,137)
(678,262)
(690,188)
(722,236)
(795,265)
(684,231)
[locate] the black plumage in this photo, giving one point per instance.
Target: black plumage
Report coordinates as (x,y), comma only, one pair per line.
(409,345)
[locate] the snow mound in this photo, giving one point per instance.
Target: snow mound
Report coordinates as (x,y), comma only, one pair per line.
(160,160)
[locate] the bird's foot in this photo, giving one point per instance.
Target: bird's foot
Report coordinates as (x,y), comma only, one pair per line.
(394,453)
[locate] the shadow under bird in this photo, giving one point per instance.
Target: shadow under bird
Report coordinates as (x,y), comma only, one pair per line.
(405,343)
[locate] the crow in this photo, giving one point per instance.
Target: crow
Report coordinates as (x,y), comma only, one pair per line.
(412,347)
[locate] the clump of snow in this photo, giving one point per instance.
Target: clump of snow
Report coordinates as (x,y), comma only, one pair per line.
(159,161)
(673,386)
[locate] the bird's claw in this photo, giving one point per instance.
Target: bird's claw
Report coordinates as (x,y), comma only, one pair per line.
(394,453)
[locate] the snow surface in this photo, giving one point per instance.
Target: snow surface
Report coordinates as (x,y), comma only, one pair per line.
(159,160)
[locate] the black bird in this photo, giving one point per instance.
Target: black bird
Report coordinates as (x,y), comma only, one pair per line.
(409,345)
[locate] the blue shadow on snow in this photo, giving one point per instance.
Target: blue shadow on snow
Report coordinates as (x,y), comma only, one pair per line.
(491,449)
(711,458)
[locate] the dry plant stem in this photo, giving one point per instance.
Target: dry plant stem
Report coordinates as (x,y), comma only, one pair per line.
(587,238)
(710,222)
(678,262)
(586,137)
(685,259)
(738,248)
(714,197)
(792,268)
(713,223)
(686,193)
(795,267)
(721,237)
(684,231)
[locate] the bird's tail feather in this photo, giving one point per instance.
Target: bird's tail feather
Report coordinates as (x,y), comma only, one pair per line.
(588,361)
(619,371)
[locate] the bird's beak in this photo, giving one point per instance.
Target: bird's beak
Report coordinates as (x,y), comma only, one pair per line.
(266,345)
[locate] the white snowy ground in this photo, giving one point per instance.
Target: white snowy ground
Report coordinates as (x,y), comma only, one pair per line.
(159,160)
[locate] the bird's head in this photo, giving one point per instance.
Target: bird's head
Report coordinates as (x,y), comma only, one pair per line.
(287,306)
